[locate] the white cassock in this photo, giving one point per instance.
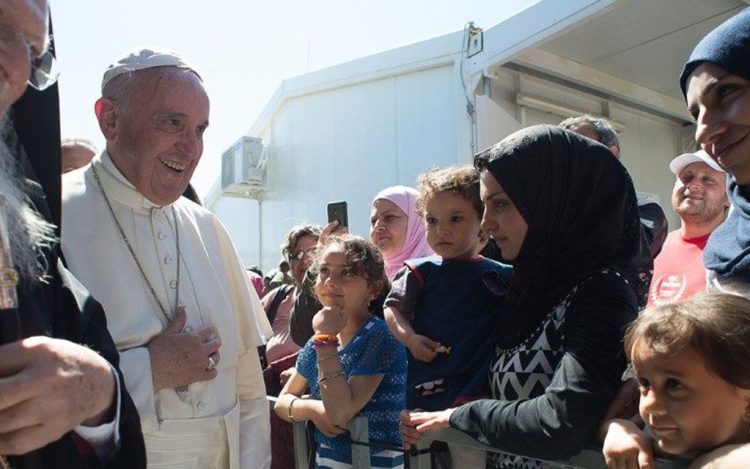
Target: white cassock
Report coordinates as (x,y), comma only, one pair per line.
(219,423)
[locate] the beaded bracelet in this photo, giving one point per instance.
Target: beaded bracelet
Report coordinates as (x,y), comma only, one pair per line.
(335,374)
(320,345)
(325,340)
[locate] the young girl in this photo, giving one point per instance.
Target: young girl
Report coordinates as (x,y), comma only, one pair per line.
(352,365)
(692,362)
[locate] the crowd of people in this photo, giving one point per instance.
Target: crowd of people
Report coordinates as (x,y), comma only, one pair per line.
(503,299)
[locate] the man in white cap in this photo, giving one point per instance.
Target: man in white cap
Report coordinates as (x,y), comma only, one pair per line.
(699,198)
(179,306)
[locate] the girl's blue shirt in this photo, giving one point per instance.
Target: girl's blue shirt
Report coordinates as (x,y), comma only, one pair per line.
(372,350)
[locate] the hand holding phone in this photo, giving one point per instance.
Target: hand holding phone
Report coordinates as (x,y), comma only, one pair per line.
(337,211)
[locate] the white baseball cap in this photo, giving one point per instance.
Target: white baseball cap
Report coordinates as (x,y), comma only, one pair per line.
(141,59)
(680,162)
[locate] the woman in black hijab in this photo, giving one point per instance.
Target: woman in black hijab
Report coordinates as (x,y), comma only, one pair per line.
(564,212)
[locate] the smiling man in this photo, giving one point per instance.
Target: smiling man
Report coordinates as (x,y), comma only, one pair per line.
(699,198)
(179,306)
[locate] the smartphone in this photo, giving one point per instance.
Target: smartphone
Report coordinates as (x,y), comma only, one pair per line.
(337,211)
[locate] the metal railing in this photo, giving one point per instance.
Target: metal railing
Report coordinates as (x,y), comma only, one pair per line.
(419,458)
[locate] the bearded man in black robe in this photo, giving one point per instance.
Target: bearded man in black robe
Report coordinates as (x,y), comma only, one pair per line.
(62,401)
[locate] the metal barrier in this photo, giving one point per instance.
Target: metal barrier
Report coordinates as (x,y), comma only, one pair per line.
(590,458)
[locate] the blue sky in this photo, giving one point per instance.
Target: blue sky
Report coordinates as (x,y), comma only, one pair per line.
(242,49)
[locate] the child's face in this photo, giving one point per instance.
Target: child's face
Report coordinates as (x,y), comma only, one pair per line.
(337,285)
(452,225)
(687,407)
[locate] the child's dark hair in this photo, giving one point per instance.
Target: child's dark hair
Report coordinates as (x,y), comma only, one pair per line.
(362,258)
(716,325)
(460,180)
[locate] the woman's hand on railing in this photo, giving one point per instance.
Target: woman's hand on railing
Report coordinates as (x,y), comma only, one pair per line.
(409,434)
(626,445)
(412,423)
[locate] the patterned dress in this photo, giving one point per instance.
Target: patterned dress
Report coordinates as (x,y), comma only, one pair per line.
(524,371)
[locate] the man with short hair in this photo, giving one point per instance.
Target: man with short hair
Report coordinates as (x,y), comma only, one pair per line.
(595,128)
(61,394)
(179,305)
(700,200)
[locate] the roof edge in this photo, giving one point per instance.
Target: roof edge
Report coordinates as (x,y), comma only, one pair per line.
(538,23)
(426,54)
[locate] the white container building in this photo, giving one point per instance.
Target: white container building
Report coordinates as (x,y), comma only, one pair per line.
(345,132)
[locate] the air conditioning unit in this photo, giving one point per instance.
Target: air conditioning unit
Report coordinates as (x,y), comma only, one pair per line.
(243,168)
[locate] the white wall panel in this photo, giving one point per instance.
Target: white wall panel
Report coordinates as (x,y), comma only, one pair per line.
(240,218)
(365,152)
(347,144)
(426,122)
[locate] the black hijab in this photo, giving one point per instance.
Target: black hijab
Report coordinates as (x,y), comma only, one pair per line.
(727,46)
(580,205)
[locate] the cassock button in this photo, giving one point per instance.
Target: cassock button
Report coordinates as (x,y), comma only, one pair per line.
(172,284)
(161,235)
(201,405)
(167,259)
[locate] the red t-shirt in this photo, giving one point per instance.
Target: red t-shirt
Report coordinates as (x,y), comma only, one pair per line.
(678,270)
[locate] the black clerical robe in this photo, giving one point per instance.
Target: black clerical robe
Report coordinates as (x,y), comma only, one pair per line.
(62,308)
